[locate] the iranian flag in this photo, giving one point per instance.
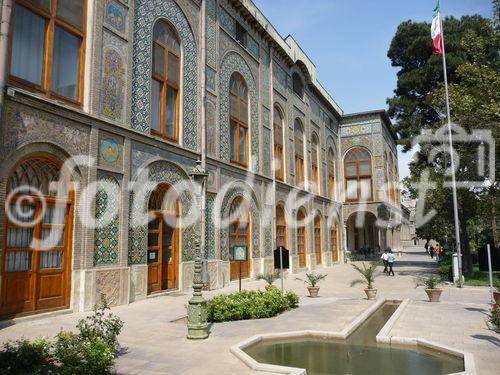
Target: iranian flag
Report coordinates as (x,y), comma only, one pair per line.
(436,32)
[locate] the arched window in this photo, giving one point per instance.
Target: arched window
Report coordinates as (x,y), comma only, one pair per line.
(297,84)
(280,226)
(317,238)
(358,175)
(278,144)
(239,235)
(238,103)
(301,238)
(165,83)
(331,173)
(36,262)
(299,152)
(315,163)
(46,50)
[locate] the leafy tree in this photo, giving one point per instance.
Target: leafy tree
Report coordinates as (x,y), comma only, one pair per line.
(472,45)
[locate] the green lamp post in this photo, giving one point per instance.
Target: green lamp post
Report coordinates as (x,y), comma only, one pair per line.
(197,306)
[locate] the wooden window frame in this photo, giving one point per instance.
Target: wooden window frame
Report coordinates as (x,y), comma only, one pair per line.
(315,165)
(299,159)
(281,226)
(331,175)
(165,84)
(279,173)
(239,123)
(51,21)
(358,178)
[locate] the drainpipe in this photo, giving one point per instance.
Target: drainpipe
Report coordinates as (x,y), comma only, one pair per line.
(5,14)
(203,141)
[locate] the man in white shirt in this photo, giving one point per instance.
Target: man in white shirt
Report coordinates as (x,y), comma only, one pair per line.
(384,259)
(391,258)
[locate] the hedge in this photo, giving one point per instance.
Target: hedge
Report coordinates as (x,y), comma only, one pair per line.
(250,305)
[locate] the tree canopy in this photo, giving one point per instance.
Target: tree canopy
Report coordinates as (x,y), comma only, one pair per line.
(472,46)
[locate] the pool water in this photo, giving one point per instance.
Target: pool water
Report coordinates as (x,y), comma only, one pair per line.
(359,354)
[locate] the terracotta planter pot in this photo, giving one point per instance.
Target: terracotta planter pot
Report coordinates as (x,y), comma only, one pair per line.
(496,296)
(371,293)
(313,291)
(434,294)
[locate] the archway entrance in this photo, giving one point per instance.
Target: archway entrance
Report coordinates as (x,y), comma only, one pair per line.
(163,240)
(239,235)
(36,263)
(363,236)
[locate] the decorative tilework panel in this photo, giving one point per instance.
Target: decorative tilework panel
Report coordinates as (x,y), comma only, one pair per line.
(107,214)
(268,245)
(211,32)
(147,12)
(158,172)
(211,129)
(210,78)
(227,22)
(253,47)
(346,131)
(266,152)
(233,62)
(114,67)
(210,226)
(280,78)
(27,125)
(143,154)
(249,198)
(115,16)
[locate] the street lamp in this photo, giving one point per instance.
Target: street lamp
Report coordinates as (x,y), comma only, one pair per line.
(197,305)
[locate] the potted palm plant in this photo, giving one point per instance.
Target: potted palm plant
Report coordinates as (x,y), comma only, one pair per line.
(369,274)
(269,278)
(431,284)
(312,280)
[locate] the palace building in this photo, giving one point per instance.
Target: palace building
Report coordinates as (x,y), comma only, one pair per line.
(106,105)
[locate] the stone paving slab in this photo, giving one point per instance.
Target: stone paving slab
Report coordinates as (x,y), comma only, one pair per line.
(155,345)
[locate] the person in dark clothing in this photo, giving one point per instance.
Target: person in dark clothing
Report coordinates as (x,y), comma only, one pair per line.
(431,251)
(426,247)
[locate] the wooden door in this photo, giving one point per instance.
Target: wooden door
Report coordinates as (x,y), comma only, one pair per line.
(301,239)
(169,255)
(334,244)
(317,239)
(154,254)
(163,254)
(37,257)
(239,235)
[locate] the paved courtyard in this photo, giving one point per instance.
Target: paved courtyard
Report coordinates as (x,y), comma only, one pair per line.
(155,345)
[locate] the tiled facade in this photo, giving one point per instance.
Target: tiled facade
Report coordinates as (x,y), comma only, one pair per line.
(110,132)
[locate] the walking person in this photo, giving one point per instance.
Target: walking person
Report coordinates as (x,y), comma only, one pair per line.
(391,258)
(426,246)
(431,251)
(384,260)
(437,250)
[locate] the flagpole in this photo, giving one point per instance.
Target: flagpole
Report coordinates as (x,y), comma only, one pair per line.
(453,179)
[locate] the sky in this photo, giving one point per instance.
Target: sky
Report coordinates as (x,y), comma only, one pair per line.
(348,40)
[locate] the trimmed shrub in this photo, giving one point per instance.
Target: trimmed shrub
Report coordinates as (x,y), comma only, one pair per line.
(250,305)
(493,320)
(90,351)
(445,267)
